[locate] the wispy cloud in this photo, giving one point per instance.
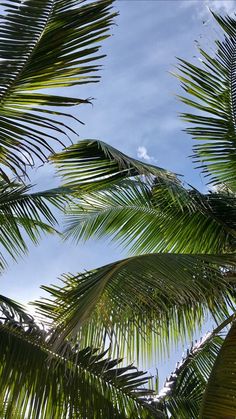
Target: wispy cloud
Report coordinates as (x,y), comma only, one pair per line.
(223,6)
(203,8)
(142,153)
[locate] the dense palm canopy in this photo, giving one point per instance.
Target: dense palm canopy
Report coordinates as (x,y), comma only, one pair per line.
(181,242)
(83,383)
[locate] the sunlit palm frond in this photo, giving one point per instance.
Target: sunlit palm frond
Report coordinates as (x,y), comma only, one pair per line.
(182,393)
(195,222)
(163,216)
(130,302)
(211,92)
(219,397)
(45,44)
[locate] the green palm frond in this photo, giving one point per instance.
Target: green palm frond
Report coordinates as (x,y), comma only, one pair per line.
(36,383)
(134,302)
(25,213)
(211,91)
(93,164)
(11,310)
(182,393)
(219,398)
(194,222)
(45,44)
(163,216)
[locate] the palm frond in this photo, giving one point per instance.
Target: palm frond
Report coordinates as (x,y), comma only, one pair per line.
(37,383)
(134,302)
(211,92)
(164,216)
(45,44)
(25,213)
(182,393)
(93,164)
(194,222)
(13,313)
(219,398)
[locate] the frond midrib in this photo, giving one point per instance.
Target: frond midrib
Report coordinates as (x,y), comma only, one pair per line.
(87,370)
(7,92)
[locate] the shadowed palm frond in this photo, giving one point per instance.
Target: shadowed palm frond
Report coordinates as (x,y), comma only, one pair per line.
(211,89)
(11,312)
(35,382)
(45,44)
(134,302)
(93,164)
(24,213)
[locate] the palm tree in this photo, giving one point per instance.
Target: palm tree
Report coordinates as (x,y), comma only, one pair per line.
(182,268)
(182,241)
(48,44)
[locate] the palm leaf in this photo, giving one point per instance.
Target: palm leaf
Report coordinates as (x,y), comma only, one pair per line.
(92,164)
(11,310)
(211,91)
(182,393)
(163,216)
(130,200)
(25,213)
(219,398)
(37,383)
(45,44)
(135,302)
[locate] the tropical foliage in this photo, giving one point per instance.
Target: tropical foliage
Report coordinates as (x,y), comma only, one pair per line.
(35,382)
(181,242)
(145,300)
(45,44)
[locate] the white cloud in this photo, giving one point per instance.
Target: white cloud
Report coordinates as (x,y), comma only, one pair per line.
(142,153)
(223,6)
(203,7)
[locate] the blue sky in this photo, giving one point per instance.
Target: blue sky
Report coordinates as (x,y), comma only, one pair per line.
(136,111)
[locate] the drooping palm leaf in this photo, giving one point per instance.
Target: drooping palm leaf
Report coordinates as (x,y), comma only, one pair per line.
(130,302)
(45,44)
(35,383)
(93,164)
(211,91)
(25,213)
